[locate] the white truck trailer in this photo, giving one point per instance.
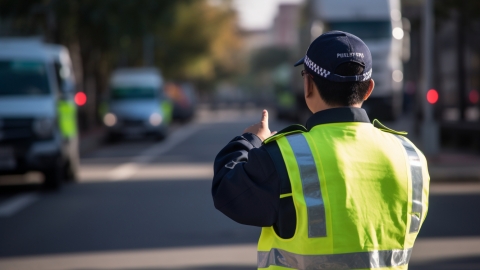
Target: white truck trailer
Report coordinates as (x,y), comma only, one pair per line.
(379,24)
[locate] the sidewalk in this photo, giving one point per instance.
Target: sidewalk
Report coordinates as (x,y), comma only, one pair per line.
(447,165)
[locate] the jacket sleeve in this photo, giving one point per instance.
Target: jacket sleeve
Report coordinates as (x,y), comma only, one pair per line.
(245,184)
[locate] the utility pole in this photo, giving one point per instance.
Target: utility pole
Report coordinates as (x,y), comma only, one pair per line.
(462,88)
(430,134)
(148,50)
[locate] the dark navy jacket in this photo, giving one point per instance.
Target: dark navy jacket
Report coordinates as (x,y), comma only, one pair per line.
(249,177)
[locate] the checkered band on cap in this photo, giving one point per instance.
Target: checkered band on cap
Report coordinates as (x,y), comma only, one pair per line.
(315,68)
(334,77)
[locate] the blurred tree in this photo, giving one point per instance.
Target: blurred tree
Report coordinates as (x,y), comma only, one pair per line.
(202,42)
(192,39)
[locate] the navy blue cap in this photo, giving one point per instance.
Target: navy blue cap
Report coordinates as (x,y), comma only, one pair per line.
(334,48)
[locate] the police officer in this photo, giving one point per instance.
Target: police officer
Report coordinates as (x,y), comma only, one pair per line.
(339,193)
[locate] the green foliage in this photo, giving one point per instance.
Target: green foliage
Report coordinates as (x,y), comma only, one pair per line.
(193,39)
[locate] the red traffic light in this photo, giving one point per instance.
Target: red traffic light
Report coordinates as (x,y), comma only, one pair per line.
(80,98)
(474,96)
(432,96)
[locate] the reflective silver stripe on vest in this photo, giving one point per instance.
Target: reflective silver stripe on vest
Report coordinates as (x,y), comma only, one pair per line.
(310,184)
(358,260)
(417,184)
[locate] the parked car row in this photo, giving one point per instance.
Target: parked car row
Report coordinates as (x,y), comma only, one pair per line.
(38,108)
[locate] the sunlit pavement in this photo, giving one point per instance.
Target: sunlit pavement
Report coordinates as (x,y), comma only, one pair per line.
(146,205)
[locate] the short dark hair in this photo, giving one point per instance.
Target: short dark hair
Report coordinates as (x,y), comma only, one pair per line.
(343,93)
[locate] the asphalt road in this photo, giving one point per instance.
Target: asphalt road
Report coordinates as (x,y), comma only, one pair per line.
(146,205)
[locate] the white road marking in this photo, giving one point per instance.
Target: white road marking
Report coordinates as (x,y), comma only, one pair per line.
(176,171)
(227,116)
(156,172)
(14,205)
(173,258)
(425,250)
(127,170)
(123,171)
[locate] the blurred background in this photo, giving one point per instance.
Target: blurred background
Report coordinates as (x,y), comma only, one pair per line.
(112,112)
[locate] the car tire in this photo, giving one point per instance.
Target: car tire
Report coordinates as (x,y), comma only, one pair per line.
(53,177)
(71,173)
(161,136)
(112,138)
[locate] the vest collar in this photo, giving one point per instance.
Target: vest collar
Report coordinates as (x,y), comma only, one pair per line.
(338,115)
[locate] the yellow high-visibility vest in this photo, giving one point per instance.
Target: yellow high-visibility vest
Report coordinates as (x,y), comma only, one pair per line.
(67,118)
(360,195)
(166,108)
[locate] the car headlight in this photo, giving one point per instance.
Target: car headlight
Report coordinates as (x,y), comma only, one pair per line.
(155,119)
(398,33)
(43,127)
(110,119)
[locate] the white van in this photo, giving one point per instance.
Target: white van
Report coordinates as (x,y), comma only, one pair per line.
(136,104)
(38,130)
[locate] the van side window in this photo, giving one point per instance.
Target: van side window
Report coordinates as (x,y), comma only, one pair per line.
(58,68)
(161,94)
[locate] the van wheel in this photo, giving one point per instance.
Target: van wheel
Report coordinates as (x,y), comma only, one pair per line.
(71,173)
(160,136)
(112,138)
(54,177)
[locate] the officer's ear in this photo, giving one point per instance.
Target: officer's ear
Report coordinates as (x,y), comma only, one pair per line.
(308,86)
(370,89)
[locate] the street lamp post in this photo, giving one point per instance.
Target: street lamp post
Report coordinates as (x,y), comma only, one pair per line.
(429,130)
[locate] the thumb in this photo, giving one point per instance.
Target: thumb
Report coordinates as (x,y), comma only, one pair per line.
(265,118)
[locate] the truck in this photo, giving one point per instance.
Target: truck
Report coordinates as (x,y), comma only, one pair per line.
(38,124)
(379,24)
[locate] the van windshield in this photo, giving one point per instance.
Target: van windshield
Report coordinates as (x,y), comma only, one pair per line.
(126,93)
(23,78)
(366,29)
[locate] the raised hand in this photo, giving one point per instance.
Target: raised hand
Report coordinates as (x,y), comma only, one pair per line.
(261,129)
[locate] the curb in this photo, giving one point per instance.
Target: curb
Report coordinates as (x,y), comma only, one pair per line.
(454,167)
(454,174)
